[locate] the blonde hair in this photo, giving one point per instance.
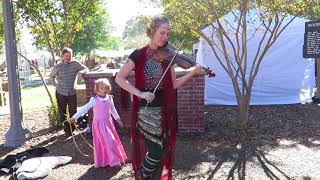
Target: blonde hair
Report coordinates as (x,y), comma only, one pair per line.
(155,23)
(102,82)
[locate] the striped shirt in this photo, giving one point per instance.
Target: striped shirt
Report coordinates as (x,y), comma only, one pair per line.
(63,76)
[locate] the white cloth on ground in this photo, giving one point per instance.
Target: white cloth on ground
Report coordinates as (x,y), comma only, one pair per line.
(40,167)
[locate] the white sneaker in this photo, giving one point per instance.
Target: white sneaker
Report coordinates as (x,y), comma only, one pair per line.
(87,130)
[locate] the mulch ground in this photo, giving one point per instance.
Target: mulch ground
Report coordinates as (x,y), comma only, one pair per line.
(281,142)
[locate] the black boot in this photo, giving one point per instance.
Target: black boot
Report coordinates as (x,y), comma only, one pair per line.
(156,175)
(144,175)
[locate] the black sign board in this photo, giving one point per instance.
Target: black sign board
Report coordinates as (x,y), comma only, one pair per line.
(311,46)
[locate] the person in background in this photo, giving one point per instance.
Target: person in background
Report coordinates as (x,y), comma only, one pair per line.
(63,77)
(149,68)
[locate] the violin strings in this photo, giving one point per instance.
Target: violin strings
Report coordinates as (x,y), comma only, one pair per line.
(175,54)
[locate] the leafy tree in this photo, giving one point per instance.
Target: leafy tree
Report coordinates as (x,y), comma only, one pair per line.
(134,33)
(135,26)
(313,10)
(177,35)
(193,16)
(95,34)
(54,23)
(136,41)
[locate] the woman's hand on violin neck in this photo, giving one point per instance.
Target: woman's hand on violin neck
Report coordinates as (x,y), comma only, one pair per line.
(197,70)
(148,96)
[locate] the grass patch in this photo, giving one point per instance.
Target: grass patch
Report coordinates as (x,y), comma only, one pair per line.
(36,97)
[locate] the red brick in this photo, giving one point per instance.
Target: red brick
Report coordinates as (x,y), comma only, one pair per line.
(190,103)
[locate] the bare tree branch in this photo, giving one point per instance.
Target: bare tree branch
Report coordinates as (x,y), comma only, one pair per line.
(258,50)
(214,50)
(41,23)
(271,43)
(39,73)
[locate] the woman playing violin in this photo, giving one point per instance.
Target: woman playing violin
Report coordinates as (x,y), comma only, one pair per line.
(152,154)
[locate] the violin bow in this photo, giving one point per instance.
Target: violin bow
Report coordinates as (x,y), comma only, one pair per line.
(175,54)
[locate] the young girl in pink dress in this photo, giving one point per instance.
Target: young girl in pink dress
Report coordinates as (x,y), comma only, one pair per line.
(108,150)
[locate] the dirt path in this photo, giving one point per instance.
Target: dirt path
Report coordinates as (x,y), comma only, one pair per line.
(282,142)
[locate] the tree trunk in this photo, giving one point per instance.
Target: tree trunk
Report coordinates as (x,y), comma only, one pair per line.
(243,113)
(52,63)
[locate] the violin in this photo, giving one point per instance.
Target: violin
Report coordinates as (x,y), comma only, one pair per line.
(185,61)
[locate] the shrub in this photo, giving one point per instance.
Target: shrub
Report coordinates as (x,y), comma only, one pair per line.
(54,118)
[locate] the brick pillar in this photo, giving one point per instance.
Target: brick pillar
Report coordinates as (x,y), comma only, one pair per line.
(89,93)
(190,100)
(124,112)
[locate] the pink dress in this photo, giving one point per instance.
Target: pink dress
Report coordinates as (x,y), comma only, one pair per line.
(108,150)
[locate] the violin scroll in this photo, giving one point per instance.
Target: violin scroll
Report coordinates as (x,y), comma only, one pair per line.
(209,72)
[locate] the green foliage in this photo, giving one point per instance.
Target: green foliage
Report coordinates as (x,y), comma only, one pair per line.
(136,41)
(95,34)
(134,33)
(312,10)
(188,17)
(53,115)
(193,15)
(135,26)
(176,37)
(55,22)
(112,43)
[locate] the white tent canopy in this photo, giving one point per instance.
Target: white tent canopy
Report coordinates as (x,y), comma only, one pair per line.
(284,77)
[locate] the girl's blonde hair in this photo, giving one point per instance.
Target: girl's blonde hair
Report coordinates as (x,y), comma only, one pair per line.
(102,82)
(155,24)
